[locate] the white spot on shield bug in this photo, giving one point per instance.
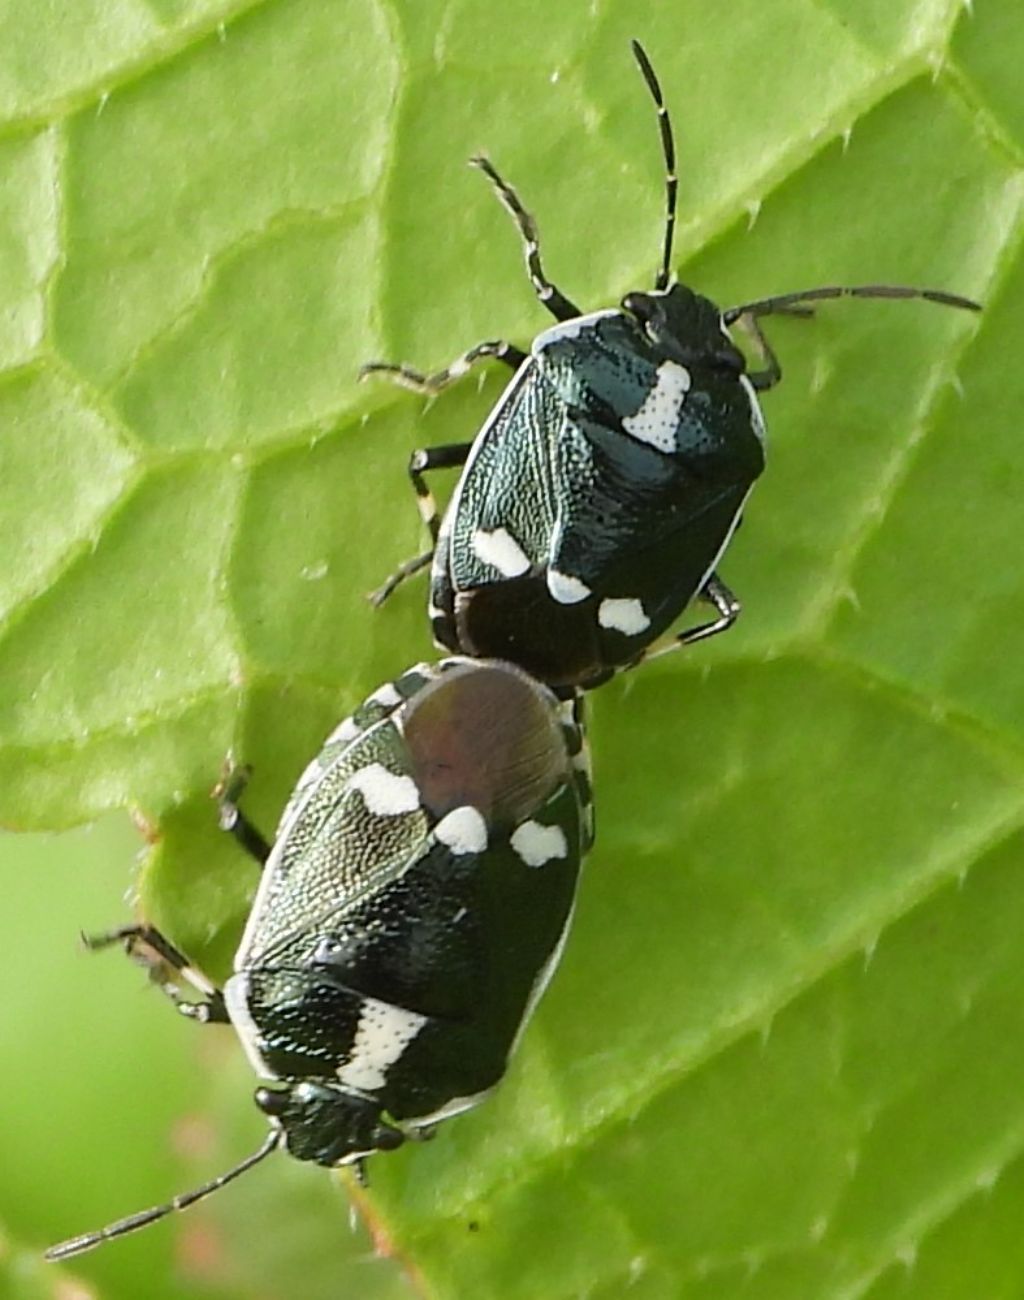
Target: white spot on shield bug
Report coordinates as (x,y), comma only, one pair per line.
(623,614)
(657,420)
(382,1035)
(386,696)
(500,550)
(345,731)
(566,589)
(463,830)
(537,844)
(385,793)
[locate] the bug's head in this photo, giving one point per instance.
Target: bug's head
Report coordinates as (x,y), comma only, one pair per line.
(686,327)
(326,1124)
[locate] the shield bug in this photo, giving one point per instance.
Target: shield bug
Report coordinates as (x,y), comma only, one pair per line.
(410,913)
(599,496)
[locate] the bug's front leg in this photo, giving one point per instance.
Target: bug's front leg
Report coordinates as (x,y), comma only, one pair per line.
(549,294)
(418,382)
(769,376)
(448,456)
(146,945)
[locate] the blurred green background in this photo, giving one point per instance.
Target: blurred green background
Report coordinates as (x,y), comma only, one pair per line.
(783,1057)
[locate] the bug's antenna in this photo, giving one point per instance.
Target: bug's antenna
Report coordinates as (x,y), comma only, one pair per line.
(785,301)
(668,148)
(78,1245)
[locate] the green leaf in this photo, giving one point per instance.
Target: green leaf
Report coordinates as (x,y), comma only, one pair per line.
(783,1055)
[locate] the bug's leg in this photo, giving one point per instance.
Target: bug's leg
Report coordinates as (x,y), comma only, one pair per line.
(553,299)
(406,377)
(147,946)
(405,570)
(448,456)
(715,593)
(227,792)
(772,372)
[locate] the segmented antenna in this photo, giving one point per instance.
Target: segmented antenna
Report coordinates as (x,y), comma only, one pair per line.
(78,1245)
(786,301)
(668,149)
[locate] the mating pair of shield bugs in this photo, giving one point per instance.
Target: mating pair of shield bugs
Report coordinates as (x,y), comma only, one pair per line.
(418,892)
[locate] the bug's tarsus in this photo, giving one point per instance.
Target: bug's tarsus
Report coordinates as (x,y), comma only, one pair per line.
(786,302)
(553,299)
(228,791)
(416,381)
(88,1240)
(668,149)
(715,593)
(135,939)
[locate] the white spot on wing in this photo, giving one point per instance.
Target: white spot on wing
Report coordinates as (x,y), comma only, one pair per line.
(344,731)
(657,420)
(384,793)
(463,830)
(566,589)
(537,844)
(624,614)
(500,550)
(382,1035)
(386,696)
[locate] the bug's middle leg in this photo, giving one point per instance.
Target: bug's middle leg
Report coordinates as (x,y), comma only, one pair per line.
(406,376)
(146,945)
(447,456)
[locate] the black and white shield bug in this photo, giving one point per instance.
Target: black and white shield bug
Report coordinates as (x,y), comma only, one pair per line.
(598,498)
(410,913)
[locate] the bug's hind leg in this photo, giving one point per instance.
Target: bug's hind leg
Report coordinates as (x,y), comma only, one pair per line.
(146,945)
(416,381)
(715,593)
(552,297)
(448,456)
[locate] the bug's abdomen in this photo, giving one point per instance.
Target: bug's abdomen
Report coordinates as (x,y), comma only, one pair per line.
(520,621)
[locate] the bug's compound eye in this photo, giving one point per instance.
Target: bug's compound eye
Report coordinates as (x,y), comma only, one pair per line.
(386,1138)
(648,310)
(640,306)
(326,1123)
(272,1101)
